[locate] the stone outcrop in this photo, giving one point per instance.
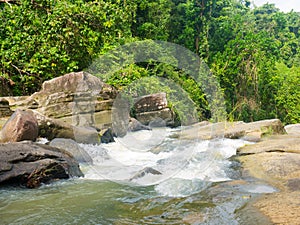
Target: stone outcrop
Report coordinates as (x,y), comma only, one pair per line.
(76,98)
(31,164)
(22,125)
(154,109)
(253,131)
(5,110)
(276,161)
(280,143)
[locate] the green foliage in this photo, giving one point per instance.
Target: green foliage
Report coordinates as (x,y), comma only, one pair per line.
(43,39)
(288,95)
(254,53)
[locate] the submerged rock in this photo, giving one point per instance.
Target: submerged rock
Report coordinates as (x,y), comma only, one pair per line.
(22,125)
(31,164)
(143,172)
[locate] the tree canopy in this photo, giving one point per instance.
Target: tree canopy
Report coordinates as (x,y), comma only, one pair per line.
(253,52)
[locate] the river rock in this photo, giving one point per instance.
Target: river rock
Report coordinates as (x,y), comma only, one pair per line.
(31,164)
(280,143)
(253,131)
(73,148)
(22,125)
(5,110)
(135,125)
(143,172)
(293,129)
(154,107)
(149,103)
(107,136)
(53,128)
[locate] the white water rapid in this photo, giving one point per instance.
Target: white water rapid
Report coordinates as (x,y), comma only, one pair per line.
(176,167)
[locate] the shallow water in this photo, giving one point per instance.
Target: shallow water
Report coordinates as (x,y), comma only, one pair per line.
(196,186)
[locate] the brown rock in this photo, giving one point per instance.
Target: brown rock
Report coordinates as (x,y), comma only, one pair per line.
(281,208)
(74,97)
(31,164)
(22,125)
(4,108)
(153,102)
(164,117)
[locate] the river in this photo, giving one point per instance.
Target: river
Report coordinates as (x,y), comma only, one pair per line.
(145,177)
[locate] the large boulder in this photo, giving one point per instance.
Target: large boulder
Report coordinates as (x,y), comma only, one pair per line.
(22,125)
(153,109)
(75,98)
(31,164)
(73,148)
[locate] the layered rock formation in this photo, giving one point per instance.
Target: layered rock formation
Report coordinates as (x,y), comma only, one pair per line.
(153,109)
(77,98)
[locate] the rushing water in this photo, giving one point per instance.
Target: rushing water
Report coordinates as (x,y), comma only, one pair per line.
(185,182)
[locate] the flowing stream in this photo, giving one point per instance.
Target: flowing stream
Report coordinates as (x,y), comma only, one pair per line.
(145,177)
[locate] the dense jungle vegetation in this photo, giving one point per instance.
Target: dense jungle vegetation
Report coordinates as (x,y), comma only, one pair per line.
(254,52)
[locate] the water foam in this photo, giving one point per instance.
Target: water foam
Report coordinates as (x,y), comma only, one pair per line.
(183,166)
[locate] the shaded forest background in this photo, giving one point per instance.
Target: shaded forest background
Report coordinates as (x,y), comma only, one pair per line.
(253,52)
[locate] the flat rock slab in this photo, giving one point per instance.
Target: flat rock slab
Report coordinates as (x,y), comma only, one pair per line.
(30,164)
(278,169)
(250,131)
(281,143)
(281,208)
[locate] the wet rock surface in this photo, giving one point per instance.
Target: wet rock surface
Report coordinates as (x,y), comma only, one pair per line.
(73,148)
(31,164)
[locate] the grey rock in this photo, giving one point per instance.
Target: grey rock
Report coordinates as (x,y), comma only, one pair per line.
(73,148)
(143,172)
